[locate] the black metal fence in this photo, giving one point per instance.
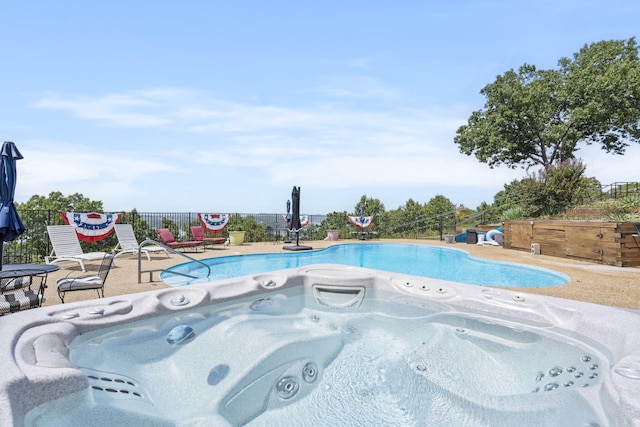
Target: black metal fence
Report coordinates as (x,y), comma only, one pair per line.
(619,190)
(425,227)
(33,245)
(614,191)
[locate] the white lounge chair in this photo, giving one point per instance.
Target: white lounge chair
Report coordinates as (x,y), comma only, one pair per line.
(66,247)
(87,282)
(128,244)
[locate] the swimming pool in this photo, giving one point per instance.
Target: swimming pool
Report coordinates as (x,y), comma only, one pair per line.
(322,345)
(420,260)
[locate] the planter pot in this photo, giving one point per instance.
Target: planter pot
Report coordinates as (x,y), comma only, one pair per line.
(236,238)
(448,238)
(332,234)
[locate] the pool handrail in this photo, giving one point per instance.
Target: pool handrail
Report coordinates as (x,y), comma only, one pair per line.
(155,243)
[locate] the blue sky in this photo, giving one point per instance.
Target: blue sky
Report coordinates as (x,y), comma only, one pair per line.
(224,106)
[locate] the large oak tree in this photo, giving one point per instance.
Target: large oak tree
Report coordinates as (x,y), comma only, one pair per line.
(540,117)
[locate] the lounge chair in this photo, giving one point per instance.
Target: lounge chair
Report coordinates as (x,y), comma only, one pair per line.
(66,247)
(87,282)
(168,240)
(21,293)
(128,244)
(197,231)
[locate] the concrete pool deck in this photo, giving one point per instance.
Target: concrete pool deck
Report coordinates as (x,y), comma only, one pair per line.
(595,283)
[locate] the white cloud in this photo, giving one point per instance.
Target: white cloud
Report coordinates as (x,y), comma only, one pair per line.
(145,108)
(55,166)
(239,145)
(359,88)
(361,62)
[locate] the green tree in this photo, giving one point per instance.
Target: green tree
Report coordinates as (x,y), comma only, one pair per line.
(538,117)
(519,196)
(56,201)
(408,218)
(561,183)
(438,209)
(335,221)
(254,230)
(43,211)
(412,210)
(438,205)
(549,192)
(463,213)
(141,228)
(393,222)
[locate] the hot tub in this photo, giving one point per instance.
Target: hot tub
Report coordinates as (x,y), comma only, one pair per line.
(322,345)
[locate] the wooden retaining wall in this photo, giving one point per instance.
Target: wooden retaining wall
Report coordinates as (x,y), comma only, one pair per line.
(612,243)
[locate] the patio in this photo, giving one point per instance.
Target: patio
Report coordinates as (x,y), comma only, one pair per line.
(600,284)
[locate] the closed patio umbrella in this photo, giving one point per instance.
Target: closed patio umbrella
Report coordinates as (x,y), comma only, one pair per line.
(295,224)
(10,224)
(288,217)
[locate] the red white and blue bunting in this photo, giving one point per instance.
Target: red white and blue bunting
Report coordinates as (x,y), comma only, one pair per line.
(92,226)
(304,220)
(214,223)
(361,221)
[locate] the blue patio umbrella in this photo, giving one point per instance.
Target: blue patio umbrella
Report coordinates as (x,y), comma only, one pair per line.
(10,224)
(288,217)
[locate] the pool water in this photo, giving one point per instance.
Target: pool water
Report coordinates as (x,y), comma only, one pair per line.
(284,358)
(419,260)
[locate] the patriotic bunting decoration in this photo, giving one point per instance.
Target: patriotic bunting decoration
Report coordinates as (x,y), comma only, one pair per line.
(361,221)
(92,226)
(304,220)
(214,223)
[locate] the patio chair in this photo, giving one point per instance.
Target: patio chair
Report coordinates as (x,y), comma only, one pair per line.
(87,282)
(21,293)
(66,247)
(197,231)
(128,244)
(168,240)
